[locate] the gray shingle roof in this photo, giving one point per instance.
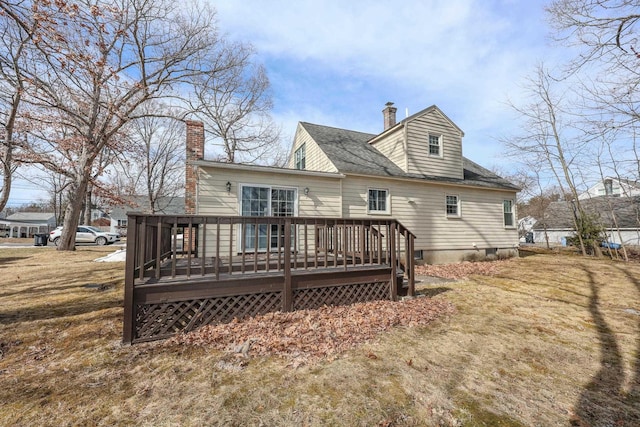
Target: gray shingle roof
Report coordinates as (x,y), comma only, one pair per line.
(351,152)
(32,217)
(559,215)
(165,205)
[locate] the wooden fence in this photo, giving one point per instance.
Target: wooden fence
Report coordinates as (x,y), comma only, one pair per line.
(183,272)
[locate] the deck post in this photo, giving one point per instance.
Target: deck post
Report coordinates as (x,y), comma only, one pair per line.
(129,279)
(411,265)
(394,266)
(287,294)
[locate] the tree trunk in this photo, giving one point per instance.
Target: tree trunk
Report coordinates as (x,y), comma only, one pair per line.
(6,182)
(546,236)
(72,218)
(87,207)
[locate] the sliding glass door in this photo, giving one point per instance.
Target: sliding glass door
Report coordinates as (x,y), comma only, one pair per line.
(266,201)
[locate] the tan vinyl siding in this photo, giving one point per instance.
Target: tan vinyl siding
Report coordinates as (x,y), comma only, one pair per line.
(315,159)
(323,199)
(421,208)
(418,159)
(392,146)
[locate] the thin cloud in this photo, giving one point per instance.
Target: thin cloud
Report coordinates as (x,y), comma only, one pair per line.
(341,61)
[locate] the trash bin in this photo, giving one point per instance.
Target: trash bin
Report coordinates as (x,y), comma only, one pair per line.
(40,239)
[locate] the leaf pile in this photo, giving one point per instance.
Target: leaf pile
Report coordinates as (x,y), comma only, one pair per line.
(307,335)
(463,269)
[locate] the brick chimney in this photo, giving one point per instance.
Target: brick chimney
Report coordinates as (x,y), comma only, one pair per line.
(195,152)
(389,114)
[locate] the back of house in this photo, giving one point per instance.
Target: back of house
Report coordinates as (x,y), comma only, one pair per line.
(413,171)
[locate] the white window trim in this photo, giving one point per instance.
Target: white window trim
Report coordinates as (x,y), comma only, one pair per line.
(239,235)
(388,202)
(459,206)
(513,214)
(440,154)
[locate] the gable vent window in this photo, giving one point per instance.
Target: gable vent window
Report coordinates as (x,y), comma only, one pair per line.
(435,145)
(453,206)
(299,157)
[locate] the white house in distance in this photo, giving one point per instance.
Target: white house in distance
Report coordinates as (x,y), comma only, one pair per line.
(617,215)
(413,171)
(611,186)
(26,224)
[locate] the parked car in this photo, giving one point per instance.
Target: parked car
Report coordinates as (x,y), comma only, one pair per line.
(87,234)
(611,245)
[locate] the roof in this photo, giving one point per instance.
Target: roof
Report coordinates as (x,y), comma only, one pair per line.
(559,215)
(164,205)
(351,153)
(32,217)
(420,114)
(267,169)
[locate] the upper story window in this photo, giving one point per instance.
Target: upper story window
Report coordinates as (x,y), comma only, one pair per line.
(435,145)
(299,157)
(507,207)
(452,205)
(378,201)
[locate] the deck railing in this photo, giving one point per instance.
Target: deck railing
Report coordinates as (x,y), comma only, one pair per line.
(211,250)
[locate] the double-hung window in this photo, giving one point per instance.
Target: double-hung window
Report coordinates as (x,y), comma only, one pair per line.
(507,208)
(452,203)
(299,157)
(378,201)
(435,145)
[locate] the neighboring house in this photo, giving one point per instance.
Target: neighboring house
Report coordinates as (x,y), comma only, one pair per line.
(620,216)
(98,214)
(26,224)
(164,205)
(413,171)
(525,227)
(609,186)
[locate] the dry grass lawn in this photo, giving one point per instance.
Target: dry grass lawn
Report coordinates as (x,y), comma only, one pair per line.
(549,340)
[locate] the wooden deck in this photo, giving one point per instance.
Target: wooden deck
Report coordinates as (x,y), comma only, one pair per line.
(215,276)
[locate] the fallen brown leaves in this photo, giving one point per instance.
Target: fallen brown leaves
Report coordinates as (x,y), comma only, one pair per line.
(462,269)
(308,335)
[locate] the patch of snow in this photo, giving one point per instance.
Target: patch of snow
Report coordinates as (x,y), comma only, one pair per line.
(118,256)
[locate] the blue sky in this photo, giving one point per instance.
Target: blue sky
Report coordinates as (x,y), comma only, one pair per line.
(336,63)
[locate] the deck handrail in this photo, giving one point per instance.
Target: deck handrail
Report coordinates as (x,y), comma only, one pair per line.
(219,248)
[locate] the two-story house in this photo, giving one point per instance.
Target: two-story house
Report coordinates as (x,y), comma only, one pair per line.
(413,171)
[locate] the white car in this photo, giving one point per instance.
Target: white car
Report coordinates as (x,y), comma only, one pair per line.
(87,234)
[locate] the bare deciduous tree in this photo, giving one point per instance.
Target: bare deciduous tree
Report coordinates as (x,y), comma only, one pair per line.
(235,106)
(155,165)
(57,185)
(548,138)
(14,50)
(604,33)
(97,63)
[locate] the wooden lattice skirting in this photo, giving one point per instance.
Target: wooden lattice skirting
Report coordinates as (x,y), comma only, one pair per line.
(162,320)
